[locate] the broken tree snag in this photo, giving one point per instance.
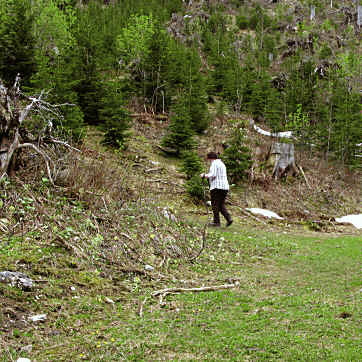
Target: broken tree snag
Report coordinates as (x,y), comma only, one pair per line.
(16,110)
(282,157)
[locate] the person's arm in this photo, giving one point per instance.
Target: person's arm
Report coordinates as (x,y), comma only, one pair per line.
(212,172)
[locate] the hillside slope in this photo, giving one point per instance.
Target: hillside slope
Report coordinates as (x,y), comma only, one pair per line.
(104,245)
(121,227)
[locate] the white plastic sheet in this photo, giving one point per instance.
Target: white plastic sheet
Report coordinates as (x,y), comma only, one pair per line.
(355,220)
(264,212)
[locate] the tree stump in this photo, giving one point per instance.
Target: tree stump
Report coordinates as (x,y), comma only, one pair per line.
(282,156)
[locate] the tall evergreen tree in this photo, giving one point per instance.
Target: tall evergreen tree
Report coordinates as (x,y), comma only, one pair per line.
(180,134)
(57,62)
(114,117)
(237,157)
(88,72)
(17,43)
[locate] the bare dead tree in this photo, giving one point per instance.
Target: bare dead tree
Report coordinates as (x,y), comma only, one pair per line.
(17,111)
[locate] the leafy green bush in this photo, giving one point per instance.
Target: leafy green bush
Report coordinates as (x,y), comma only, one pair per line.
(259,18)
(192,166)
(325,51)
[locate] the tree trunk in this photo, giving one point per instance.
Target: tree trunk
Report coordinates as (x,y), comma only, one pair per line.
(282,155)
(312,12)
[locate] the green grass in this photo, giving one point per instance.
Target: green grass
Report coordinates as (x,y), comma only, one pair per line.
(298,299)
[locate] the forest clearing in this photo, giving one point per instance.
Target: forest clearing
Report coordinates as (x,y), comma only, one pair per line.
(107,112)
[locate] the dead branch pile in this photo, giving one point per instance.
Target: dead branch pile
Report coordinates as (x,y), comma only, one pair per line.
(20,115)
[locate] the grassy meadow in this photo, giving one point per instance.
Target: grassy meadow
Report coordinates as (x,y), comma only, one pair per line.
(294,298)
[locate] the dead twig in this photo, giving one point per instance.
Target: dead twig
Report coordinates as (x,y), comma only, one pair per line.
(305,178)
(212,288)
(202,245)
(141,305)
(46,158)
(153,169)
(63,242)
(163,182)
(65,144)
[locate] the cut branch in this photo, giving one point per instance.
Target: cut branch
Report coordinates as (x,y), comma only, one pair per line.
(202,245)
(46,158)
(213,288)
(65,144)
(305,178)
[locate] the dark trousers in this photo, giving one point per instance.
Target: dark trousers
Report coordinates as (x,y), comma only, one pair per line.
(218,197)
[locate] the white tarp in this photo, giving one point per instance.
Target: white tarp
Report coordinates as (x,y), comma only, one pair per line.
(286,134)
(264,212)
(355,220)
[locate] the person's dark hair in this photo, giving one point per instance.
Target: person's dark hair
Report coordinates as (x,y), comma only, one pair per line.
(212,156)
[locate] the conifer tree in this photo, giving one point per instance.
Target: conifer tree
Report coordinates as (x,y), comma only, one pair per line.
(180,134)
(260,90)
(237,157)
(57,63)
(346,126)
(88,73)
(192,166)
(114,117)
(195,88)
(17,43)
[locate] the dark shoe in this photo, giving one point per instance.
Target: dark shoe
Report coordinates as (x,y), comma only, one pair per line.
(229,223)
(214,225)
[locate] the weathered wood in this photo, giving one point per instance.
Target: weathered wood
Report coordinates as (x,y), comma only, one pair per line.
(15,112)
(282,155)
(312,12)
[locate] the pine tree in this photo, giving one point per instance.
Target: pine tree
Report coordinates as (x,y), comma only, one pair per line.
(57,63)
(114,117)
(17,43)
(88,73)
(195,88)
(237,157)
(191,164)
(260,90)
(346,126)
(180,134)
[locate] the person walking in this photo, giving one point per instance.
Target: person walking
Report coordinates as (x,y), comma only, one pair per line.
(219,187)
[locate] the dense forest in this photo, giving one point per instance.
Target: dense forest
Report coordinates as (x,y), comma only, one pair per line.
(290,65)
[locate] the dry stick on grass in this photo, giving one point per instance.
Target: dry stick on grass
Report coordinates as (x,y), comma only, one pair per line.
(63,242)
(164,292)
(162,261)
(141,305)
(202,245)
(305,178)
(164,182)
(212,288)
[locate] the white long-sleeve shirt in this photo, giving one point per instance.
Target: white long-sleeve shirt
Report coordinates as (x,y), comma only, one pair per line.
(217,175)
